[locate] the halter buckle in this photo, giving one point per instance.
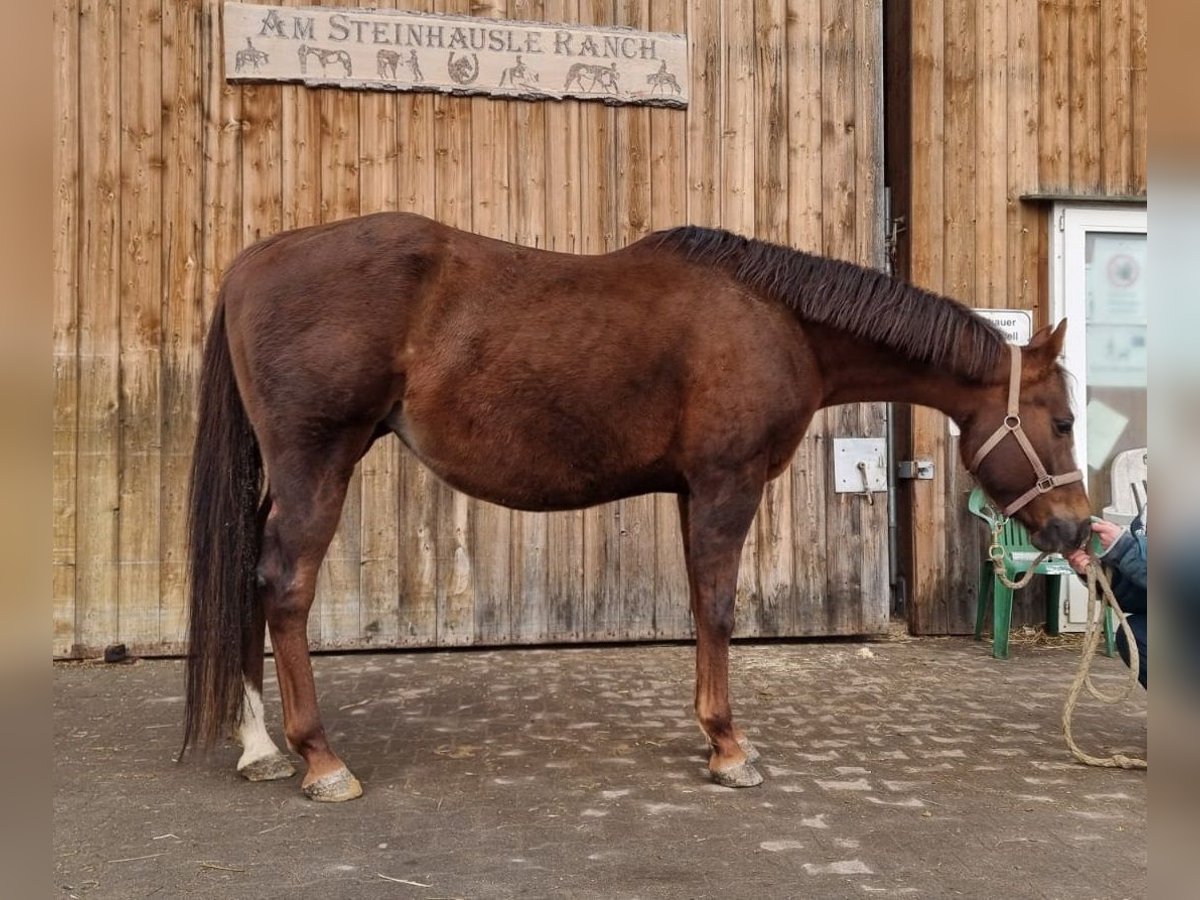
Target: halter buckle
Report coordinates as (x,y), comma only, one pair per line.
(1046,484)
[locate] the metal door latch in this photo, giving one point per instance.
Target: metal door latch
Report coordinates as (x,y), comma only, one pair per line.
(918,469)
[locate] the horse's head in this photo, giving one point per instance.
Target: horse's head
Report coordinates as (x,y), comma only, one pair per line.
(1018,444)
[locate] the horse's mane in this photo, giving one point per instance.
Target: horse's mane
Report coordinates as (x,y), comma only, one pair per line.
(923,326)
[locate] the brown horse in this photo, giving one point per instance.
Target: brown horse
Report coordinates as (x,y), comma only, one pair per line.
(690,362)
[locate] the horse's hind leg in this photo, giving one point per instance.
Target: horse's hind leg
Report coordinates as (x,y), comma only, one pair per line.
(714,519)
(307,487)
(261,759)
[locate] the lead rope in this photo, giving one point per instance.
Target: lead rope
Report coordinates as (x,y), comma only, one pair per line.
(1100,596)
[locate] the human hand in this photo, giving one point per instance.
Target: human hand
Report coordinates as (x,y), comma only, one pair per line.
(1106,532)
(1078,560)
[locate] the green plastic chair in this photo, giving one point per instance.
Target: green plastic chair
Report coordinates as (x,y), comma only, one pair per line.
(1019,555)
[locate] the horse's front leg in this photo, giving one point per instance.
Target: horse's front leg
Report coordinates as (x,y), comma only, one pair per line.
(714,520)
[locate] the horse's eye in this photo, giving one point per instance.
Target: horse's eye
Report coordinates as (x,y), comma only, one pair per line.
(1064,426)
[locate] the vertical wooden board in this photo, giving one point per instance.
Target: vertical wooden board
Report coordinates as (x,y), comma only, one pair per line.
(262,175)
(804,125)
(839,239)
(339,591)
(637,533)
(527,224)
(995,147)
(776,566)
(1054,88)
(490,183)
(1116,146)
(868,135)
(704,112)
(261,119)
(452,199)
(601,608)
(222,174)
(564,531)
(928,241)
(378,189)
(970,33)
(184,320)
(965,549)
(1086,127)
(1138,106)
(703,126)
(736,198)
(97,486)
(419,493)
(668,207)
(1021,177)
(805,231)
(65,320)
(875,598)
(140,188)
(301,160)
(961,144)
(961,168)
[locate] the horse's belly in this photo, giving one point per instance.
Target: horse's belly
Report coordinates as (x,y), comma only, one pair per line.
(539,468)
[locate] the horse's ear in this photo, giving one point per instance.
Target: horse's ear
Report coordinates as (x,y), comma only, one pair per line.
(1048,342)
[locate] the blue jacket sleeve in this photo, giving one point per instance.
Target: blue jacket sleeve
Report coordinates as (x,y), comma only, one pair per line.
(1127,560)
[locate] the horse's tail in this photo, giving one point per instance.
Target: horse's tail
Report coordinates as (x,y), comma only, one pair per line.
(223,543)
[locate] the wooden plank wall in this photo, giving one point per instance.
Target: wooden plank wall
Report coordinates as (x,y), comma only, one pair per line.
(165,172)
(1009,98)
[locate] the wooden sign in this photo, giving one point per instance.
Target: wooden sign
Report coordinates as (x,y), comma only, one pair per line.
(407,51)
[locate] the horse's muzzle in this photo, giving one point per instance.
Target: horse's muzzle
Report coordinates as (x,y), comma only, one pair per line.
(1062,535)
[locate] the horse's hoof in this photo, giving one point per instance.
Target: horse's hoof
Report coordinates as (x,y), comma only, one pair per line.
(334,787)
(268,768)
(752,755)
(740,776)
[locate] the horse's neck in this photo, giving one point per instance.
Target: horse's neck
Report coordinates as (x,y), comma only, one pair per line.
(855,370)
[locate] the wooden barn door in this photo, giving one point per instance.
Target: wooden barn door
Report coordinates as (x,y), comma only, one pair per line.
(165,171)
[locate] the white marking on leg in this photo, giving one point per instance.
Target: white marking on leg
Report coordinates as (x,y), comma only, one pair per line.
(252,733)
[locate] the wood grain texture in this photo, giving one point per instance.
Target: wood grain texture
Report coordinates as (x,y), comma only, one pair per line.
(1055,89)
(775,542)
(452,205)
(140,324)
(777,142)
(737,207)
(97,448)
(637,514)
(601,607)
(1085,121)
(564,184)
(926,504)
(65,213)
(1116,86)
(492,177)
(843,573)
(668,207)
(419,493)
(1138,104)
(805,231)
(379,539)
(874,604)
(183,308)
(527,226)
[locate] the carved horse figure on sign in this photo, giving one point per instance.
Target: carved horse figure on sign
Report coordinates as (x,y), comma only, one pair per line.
(324,57)
(689,363)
